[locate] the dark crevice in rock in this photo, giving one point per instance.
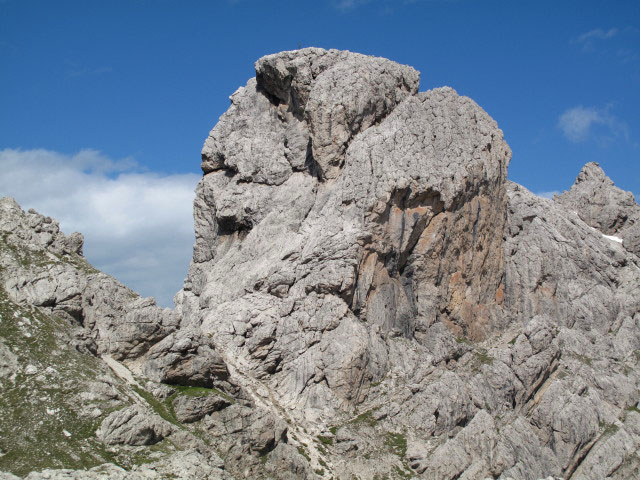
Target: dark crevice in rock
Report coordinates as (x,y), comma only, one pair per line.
(542,380)
(231,225)
(580,456)
(274,100)
(310,163)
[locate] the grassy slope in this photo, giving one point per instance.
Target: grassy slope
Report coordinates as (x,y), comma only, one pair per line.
(40,424)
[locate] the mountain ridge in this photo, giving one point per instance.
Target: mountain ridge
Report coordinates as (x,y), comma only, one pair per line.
(369,297)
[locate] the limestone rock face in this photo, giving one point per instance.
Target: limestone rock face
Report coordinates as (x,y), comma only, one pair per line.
(380,223)
(369,297)
(604,206)
(183,465)
(186,360)
(45,268)
(133,426)
(191,409)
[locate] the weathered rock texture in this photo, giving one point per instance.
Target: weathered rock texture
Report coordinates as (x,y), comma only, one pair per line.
(47,270)
(369,296)
(602,205)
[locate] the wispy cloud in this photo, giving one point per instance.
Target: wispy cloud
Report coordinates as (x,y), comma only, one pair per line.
(619,44)
(588,39)
(137,224)
(578,124)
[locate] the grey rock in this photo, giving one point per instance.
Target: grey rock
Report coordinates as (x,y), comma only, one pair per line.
(339,94)
(181,465)
(133,426)
(8,363)
(185,360)
(605,207)
(373,293)
(45,268)
(190,409)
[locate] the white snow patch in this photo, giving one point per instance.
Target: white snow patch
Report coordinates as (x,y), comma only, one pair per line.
(613,237)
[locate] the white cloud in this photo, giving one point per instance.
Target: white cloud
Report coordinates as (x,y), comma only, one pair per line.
(598,33)
(580,123)
(138,225)
(588,39)
(576,122)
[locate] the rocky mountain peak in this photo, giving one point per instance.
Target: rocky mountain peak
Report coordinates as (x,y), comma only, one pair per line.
(592,172)
(323,99)
(369,296)
(36,229)
(605,207)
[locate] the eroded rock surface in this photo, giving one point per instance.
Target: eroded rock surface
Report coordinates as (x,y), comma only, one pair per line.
(604,206)
(133,426)
(45,268)
(369,297)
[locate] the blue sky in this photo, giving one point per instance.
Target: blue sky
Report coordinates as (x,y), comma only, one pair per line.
(137,85)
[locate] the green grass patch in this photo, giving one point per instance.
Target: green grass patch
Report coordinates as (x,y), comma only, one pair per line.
(302,451)
(162,408)
(584,359)
(402,473)
(397,444)
(202,392)
(325,440)
(39,423)
(365,418)
(608,429)
(483,357)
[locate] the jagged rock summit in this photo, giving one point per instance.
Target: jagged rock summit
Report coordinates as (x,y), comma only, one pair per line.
(604,206)
(369,297)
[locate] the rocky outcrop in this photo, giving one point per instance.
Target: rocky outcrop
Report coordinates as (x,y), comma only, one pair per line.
(605,207)
(369,297)
(190,465)
(366,225)
(44,268)
(133,426)
(191,409)
(186,360)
